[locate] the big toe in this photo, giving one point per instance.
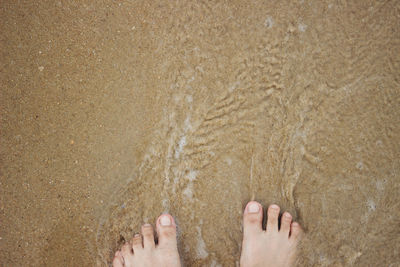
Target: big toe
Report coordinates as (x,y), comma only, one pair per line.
(252,219)
(166,230)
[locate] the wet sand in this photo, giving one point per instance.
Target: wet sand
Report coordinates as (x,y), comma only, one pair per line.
(114,112)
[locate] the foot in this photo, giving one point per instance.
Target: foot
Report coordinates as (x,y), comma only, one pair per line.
(142,251)
(272,247)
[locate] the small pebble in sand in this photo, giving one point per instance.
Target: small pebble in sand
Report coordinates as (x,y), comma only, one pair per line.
(269,22)
(302,27)
(41,68)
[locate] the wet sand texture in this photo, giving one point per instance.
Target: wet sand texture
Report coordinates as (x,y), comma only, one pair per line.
(113,112)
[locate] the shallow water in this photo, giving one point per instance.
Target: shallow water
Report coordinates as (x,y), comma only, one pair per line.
(113,113)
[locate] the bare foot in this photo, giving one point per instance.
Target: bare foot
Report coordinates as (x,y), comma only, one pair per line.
(142,251)
(272,247)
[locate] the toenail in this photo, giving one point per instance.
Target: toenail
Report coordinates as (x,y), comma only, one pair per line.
(253,208)
(275,207)
(146,225)
(165,221)
(287,215)
(137,235)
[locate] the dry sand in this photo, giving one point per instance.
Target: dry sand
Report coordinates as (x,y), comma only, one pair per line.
(113,112)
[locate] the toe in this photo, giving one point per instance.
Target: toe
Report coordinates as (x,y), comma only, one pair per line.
(126,252)
(166,230)
(272,221)
(286,220)
(137,242)
(148,236)
(252,219)
(118,261)
(295,231)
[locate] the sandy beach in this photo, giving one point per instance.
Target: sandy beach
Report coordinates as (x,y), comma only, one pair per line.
(113,112)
